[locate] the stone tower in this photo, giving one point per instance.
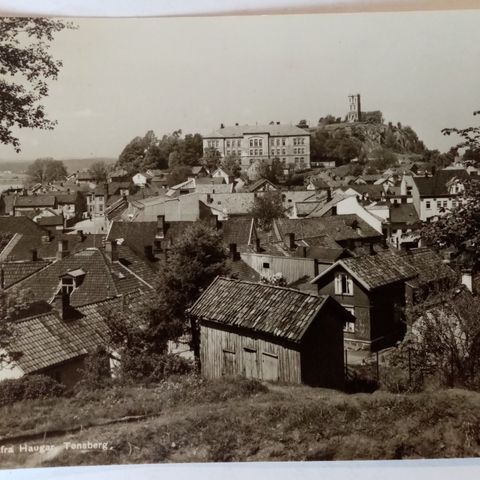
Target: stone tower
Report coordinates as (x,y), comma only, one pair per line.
(354,108)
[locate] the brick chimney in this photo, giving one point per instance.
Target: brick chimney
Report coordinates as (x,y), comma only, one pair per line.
(291,241)
(148,252)
(160,233)
(233,251)
(257,245)
(111,249)
(61,304)
(34,254)
(62,250)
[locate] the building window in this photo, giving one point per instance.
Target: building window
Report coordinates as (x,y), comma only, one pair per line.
(260,152)
(284,151)
(283,142)
(228,143)
(427,205)
(439,204)
(266,265)
(251,152)
(67,285)
(445,203)
(343,284)
(256,151)
(251,142)
(294,141)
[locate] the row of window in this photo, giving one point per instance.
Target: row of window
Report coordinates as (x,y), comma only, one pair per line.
(213,143)
(298,151)
(256,142)
(233,143)
(299,141)
(440,204)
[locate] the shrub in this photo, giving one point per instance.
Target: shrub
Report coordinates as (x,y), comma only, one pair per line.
(29,387)
(96,374)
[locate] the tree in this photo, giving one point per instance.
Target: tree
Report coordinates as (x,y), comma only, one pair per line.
(194,261)
(460,227)
(139,154)
(231,165)
(443,341)
(266,208)
(470,136)
(46,170)
(178,174)
(99,170)
(382,158)
(25,67)
(211,158)
(273,172)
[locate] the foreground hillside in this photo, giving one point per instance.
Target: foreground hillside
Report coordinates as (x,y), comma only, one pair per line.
(196,421)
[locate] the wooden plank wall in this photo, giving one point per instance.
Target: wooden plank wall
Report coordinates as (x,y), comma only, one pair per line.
(214,341)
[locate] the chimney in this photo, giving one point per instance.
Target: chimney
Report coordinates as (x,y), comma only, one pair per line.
(334,210)
(47,237)
(278,123)
(34,254)
(303,251)
(222,125)
(160,226)
(62,250)
(148,252)
(111,249)
(236,124)
(257,245)
(291,241)
(81,236)
(372,249)
(61,303)
(329,194)
(233,251)
(2,278)
(467,279)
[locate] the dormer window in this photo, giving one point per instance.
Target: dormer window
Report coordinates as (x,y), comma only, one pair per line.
(343,284)
(72,280)
(68,284)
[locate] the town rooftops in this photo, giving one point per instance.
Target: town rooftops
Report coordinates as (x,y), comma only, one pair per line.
(274,130)
(404,213)
(23,225)
(437,184)
(278,311)
(14,272)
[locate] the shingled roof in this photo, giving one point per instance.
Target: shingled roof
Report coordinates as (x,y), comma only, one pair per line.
(33,201)
(419,267)
(14,272)
(278,311)
(437,184)
(275,130)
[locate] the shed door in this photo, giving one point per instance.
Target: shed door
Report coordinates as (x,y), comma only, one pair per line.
(270,367)
(250,363)
(228,363)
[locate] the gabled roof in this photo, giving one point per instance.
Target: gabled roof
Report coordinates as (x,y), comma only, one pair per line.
(278,311)
(14,272)
(23,225)
(102,280)
(437,184)
(374,271)
(31,201)
(261,182)
(53,220)
(404,213)
(273,130)
(45,340)
(239,230)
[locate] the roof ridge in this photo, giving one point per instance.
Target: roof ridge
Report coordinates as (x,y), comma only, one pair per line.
(277,287)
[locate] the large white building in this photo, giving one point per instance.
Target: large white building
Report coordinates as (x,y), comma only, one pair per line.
(290,144)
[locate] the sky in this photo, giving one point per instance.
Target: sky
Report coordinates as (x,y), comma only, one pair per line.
(123,77)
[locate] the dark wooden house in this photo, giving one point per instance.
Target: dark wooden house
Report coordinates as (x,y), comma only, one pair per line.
(376,288)
(270,333)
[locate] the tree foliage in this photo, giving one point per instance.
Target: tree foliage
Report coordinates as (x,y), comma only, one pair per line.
(25,68)
(382,158)
(192,263)
(45,170)
(170,151)
(231,165)
(211,158)
(272,172)
(460,227)
(99,170)
(338,147)
(443,342)
(470,136)
(266,208)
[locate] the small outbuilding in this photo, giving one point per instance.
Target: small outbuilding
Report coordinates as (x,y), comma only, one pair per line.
(270,333)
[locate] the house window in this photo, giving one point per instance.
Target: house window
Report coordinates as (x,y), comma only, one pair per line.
(427,205)
(284,151)
(283,142)
(439,204)
(67,285)
(251,143)
(228,143)
(445,203)
(260,152)
(349,326)
(266,265)
(343,284)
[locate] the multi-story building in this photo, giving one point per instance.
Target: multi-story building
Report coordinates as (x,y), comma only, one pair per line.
(249,143)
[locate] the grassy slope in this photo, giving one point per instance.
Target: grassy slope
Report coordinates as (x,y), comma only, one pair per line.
(244,421)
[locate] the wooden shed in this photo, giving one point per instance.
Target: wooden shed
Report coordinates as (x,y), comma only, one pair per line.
(270,333)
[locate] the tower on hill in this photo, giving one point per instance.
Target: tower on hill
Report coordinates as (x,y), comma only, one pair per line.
(354,112)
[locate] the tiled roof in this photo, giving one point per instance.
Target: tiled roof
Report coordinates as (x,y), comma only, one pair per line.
(238,131)
(53,220)
(404,213)
(375,271)
(20,224)
(35,201)
(66,198)
(281,312)
(239,230)
(14,272)
(339,227)
(98,283)
(242,271)
(261,182)
(428,265)
(373,191)
(209,181)
(437,184)
(45,340)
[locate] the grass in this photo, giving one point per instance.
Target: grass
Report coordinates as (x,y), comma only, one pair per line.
(239,420)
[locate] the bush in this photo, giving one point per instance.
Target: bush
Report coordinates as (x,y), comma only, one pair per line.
(96,374)
(29,387)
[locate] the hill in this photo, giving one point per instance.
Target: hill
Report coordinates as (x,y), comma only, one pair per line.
(193,420)
(343,141)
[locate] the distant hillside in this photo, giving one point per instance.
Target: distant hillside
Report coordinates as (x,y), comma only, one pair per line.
(72,164)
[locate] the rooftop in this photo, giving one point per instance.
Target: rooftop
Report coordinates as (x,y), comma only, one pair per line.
(273,130)
(437,184)
(278,311)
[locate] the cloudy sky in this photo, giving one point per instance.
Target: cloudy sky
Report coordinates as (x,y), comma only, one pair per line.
(122,77)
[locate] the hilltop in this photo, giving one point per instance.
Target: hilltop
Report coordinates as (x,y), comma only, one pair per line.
(72,164)
(189,419)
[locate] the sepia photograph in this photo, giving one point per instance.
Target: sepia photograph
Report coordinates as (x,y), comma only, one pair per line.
(239,238)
